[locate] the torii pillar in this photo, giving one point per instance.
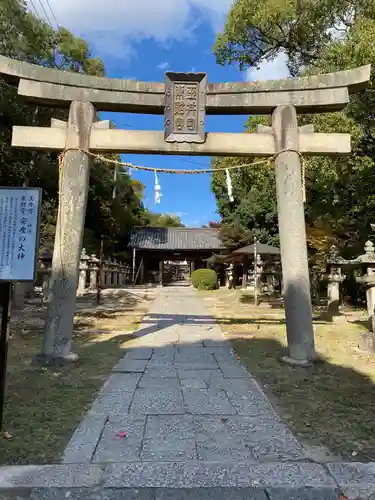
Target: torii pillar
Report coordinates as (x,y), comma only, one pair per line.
(292,232)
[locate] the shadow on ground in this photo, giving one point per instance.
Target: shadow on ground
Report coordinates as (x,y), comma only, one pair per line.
(323,405)
(327,404)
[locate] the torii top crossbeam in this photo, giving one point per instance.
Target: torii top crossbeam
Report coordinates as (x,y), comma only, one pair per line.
(318,93)
(185,99)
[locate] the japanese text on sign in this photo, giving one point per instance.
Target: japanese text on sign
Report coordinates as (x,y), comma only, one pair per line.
(19,216)
(185,104)
(185,107)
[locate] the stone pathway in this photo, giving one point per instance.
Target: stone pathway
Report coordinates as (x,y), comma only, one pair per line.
(197,426)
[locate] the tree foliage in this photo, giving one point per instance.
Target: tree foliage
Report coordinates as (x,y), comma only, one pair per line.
(318,36)
(163,220)
(24,37)
(253,213)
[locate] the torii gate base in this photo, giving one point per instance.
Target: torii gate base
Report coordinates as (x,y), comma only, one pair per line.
(184,99)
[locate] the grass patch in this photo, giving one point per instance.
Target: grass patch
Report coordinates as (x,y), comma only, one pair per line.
(43,406)
(330,404)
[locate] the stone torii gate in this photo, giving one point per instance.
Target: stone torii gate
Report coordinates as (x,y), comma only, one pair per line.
(184,99)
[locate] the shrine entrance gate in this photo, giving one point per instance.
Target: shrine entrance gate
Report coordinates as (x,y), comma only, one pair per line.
(184,99)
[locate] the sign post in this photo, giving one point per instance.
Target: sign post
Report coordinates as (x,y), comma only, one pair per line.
(19,231)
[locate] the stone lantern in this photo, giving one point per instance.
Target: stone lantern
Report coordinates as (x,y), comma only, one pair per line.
(367,341)
(334,277)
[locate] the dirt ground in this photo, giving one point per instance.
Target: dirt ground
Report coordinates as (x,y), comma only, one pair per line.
(329,405)
(43,406)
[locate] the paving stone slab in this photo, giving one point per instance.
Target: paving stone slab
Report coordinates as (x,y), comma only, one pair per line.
(312,493)
(247,398)
(209,475)
(205,375)
(59,476)
(193,383)
(167,353)
(159,363)
(82,445)
(240,386)
(139,353)
(196,354)
(112,448)
(161,372)
(121,382)
(15,494)
(198,365)
(150,475)
(127,365)
(211,494)
(112,403)
(158,383)
(97,493)
(169,438)
(266,474)
(207,402)
(213,342)
(235,438)
(352,474)
(231,370)
(161,402)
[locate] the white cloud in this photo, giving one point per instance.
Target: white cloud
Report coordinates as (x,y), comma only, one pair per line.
(114,26)
(269,70)
(163,65)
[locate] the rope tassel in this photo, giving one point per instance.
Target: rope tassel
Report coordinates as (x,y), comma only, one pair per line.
(229,185)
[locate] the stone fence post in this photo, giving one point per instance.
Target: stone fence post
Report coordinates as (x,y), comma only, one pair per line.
(82,277)
(115,273)
(121,281)
(104,272)
(108,278)
(94,269)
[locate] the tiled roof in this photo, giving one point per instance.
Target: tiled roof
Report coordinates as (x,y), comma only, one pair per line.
(262,249)
(173,238)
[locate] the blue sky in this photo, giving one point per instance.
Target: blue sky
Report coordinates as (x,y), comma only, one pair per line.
(141,40)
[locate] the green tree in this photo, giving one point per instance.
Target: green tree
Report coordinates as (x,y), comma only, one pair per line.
(318,36)
(259,31)
(24,37)
(162,220)
(253,213)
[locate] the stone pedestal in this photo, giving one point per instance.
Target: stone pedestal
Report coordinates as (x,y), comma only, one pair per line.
(334,279)
(19,292)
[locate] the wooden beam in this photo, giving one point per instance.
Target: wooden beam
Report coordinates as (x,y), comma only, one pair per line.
(152,142)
